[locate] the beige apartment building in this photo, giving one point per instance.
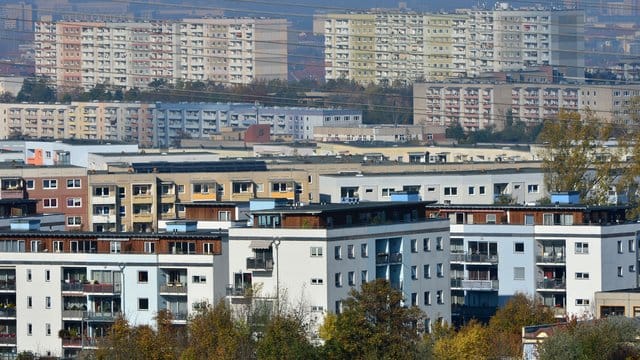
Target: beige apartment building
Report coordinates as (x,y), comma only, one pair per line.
(109,121)
(133,54)
(481,105)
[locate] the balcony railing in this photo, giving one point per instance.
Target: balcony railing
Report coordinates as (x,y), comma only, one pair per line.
(180,315)
(9,339)
(467,284)
(8,285)
(7,312)
(552,284)
(478,258)
(73,286)
(260,264)
(174,288)
(389,258)
(72,342)
(101,288)
(75,314)
(551,259)
(101,316)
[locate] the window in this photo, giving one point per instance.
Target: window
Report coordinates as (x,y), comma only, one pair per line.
(58,246)
(620,274)
(414,272)
(317,281)
(619,246)
(582,275)
(50,203)
(364,276)
(338,279)
(115,247)
(440,297)
(450,191)
(426,271)
(279,187)
(316,251)
(143,304)
(74,202)
(180,189)
(481,190)
(31,184)
(491,219)
(518,273)
(29,302)
(73,184)
(426,244)
(528,219)
(582,248)
(351,252)
(143,276)
(242,187)
(122,192)
(351,278)
(427,297)
(532,188)
(519,247)
(201,188)
(47,302)
(29,277)
(337,252)
(632,245)
(632,268)
(582,302)
(439,270)
(364,250)
(141,190)
(386,192)
(149,247)
(414,299)
(101,191)
(472,190)
(198,279)
(224,216)
(338,307)
(414,245)
(47,275)
(74,220)
(47,329)
(50,184)
(439,246)
(207,248)
(29,329)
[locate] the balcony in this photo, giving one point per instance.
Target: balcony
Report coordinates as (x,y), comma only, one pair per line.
(143,217)
(559,312)
(8,339)
(103,200)
(72,342)
(73,287)
(7,312)
(259,264)
(104,219)
(173,288)
(101,288)
(101,316)
(389,258)
(8,285)
(72,314)
(474,258)
(467,284)
(547,259)
(552,285)
(142,198)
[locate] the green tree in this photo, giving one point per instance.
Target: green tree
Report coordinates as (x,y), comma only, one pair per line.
(610,338)
(375,325)
(472,341)
(285,338)
(36,90)
(505,327)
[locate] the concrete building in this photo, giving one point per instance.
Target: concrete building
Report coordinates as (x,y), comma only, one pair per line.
(316,254)
(133,54)
(562,253)
(75,153)
(66,288)
(379,133)
(622,302)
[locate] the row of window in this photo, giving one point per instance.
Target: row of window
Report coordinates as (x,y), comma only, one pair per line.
(73,202)
(51,184)
(364,248)
(243,187)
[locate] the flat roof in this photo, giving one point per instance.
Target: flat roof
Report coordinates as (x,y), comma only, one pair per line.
(454,170)
(333,207)
(524,207)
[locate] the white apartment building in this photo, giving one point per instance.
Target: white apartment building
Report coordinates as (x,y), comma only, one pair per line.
(318,253)
(133,54)
(458,187)
(386,45)
(61,291)
(561,254)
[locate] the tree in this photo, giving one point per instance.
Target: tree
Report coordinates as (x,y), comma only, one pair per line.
(610,338)
(36,90)
(285,338)
(472,341)
(375,325)
(505,327)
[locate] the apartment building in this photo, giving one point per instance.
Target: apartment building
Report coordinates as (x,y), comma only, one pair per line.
(58,153)
(387,45)
(144,194)
(379,133)
(106,121)
(316,254)
(524,185)
(480,105)
(561,253)
(62,290)
(174,121)
(133,54)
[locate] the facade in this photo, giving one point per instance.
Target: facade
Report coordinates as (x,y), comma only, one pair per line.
(480,105)
(326,250)
(66,288)
(133,54)
(562,254)
(67,153)
(457,187)
(386,45)
(379,133)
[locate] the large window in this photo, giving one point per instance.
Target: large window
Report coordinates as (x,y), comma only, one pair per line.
(50,184)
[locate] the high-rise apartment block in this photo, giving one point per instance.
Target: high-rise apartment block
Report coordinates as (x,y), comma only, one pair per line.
(134,54)
(384,46)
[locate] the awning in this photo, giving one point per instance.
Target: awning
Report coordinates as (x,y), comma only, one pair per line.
(260,244)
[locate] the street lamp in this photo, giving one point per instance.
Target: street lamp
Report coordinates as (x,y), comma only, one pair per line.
(276,242)
(122,296)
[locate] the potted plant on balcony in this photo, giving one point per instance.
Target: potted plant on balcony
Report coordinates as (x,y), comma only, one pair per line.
(63,334)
